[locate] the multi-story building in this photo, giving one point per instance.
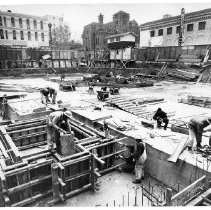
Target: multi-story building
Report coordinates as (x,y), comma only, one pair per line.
(165,32)
(94,34)
(23,30)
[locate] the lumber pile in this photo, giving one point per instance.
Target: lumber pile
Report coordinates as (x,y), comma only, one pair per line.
(190,58)
(182,74)
(136,106)
(205,75)
(197,101)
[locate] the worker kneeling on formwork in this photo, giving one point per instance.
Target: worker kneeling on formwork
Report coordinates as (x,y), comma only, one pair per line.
(44,95)
(57,123)
(140,157)
(197,126)
(161,117)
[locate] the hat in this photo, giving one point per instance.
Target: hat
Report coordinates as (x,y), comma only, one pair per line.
(68,113)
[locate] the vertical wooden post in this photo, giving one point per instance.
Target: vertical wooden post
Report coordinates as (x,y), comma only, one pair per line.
(168,197)
(92,173)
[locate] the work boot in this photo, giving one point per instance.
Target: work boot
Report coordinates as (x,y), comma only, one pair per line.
(198,145)
(137,181)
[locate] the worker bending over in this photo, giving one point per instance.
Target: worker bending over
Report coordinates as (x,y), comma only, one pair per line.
(44,95)
(197,126)
(57,122)
(53,94)
(161,117)
(140,157)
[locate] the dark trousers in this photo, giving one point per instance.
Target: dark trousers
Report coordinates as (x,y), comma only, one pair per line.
(160,121)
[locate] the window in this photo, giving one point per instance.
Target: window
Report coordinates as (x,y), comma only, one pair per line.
(22,36)
(190,27)
(43,37)
(20,23)
(29,35)
(118,39)
(41,25)
(177,29)
(1,34)
(169,30)
(27,24)
(112,39)
(5,21)
(202,25)
(0,21)
(152,33)
(12,21)
(14,34)
(36,36)
(6,34)
(160,32)
(35,24)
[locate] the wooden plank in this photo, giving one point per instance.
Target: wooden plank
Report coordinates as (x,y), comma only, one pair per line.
(197,201)
(27,129)
(13,147)
(188,189)
(179,149)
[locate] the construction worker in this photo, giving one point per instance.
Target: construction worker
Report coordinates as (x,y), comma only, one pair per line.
(57,122)
(4,107)
(53,94)
(197,126)
(161,117)
(44,95)
(140,157)
(130,162)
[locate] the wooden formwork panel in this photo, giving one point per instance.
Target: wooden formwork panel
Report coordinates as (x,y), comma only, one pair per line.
(26,183)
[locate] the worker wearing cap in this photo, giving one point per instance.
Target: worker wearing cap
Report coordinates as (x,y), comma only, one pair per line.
(53,94)
(197,126)
(44,95)
(161,117)
(140,157)
(57,122)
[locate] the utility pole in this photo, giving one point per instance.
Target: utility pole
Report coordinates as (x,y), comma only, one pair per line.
(181,31)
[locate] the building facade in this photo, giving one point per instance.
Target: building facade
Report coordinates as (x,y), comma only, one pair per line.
(94,34)
(120,45)
(21,30)
(165,32)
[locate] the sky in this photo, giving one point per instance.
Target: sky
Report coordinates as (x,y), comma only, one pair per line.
(79,13)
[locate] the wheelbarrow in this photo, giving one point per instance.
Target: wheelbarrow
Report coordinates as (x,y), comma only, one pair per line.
(102,95)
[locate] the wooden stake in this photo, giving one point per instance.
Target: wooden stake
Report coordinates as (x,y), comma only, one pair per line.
(123,200)
(128,199)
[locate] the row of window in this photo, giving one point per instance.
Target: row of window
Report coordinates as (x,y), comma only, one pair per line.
(117,39)
(201,26)
(20,23)
(14,35)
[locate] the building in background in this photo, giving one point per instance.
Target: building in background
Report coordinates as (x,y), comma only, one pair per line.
(94,34)
(165,32)
(22,30)
(120,45)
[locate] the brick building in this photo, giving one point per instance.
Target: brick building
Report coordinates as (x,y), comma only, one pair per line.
(23,30)
(94,34)
(165,32)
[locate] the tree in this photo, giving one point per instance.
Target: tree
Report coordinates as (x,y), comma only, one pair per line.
(61,34)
